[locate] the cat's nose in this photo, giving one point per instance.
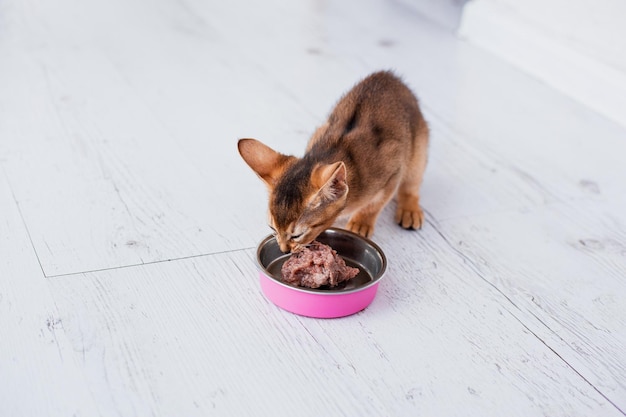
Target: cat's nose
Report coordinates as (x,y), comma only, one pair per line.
(284,247)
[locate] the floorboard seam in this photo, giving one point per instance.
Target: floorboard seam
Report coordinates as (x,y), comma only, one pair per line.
(19,210)
(69,274)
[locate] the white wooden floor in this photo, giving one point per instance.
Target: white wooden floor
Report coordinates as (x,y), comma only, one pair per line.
(129,222)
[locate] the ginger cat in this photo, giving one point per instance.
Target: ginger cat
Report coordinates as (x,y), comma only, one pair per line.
(373,145)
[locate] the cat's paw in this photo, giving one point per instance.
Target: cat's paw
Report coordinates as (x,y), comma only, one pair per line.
(410,218)
(363,229)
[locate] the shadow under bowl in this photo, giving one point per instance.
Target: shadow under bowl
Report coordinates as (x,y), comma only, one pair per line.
(343,300)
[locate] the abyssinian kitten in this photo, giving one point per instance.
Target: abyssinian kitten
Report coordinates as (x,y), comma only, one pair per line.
(373,145)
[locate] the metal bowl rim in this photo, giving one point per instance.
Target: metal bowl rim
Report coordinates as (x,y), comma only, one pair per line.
(374,281)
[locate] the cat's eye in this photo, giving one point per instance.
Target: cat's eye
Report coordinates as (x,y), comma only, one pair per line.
(294,237)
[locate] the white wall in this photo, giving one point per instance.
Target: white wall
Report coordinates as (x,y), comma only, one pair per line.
(577,46)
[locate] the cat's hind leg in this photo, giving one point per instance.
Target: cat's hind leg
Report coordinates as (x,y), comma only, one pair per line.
(409,214)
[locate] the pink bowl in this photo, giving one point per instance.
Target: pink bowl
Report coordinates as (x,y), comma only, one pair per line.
(356,295)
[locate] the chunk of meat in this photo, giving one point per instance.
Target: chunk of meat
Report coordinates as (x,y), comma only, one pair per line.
(315,266)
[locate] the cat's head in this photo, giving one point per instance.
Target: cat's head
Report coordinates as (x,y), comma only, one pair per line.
(305,197)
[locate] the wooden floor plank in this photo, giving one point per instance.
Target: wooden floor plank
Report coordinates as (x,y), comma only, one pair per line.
(196,336)
(115,186)
(39,373)
(562,266)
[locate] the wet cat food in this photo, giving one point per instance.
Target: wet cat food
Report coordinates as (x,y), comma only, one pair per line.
(317,265)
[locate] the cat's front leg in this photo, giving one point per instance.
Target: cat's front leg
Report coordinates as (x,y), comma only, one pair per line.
(361,225)
(363,220)
(409,214)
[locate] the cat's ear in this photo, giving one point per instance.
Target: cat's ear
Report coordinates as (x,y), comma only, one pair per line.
(266,162)
(330,180)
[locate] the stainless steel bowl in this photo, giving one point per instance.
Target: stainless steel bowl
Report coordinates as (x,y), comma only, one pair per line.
(340,301)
